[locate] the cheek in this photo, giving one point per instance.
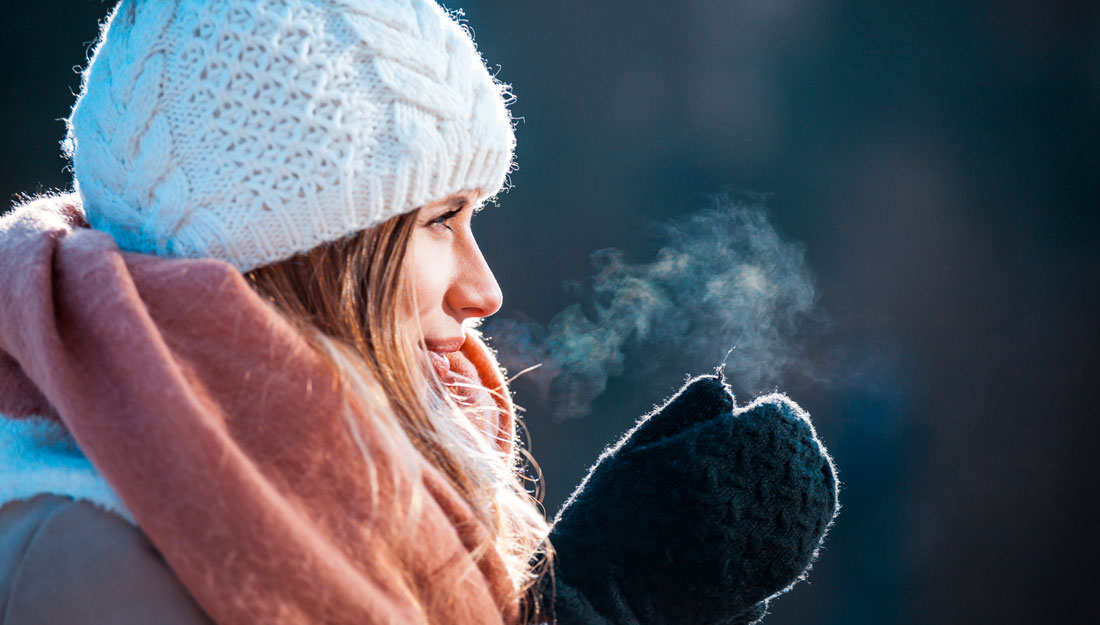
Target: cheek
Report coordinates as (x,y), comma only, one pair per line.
(432,264)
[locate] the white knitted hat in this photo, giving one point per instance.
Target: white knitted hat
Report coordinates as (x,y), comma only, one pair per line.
(251,130)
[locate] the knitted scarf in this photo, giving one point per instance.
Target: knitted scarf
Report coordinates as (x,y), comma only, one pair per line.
(221,431)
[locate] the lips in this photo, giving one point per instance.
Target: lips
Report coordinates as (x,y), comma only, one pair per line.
(445,346)
(438,350)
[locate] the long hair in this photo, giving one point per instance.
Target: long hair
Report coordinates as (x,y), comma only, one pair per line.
(353,300)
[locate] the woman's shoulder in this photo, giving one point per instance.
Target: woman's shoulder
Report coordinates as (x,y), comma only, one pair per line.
(69,561)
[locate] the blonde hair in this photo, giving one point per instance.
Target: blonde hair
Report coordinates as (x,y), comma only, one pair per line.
(353,300)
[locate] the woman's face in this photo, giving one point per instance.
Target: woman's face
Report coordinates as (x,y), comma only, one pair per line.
(450,278)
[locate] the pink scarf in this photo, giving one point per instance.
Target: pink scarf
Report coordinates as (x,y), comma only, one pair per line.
(218,427)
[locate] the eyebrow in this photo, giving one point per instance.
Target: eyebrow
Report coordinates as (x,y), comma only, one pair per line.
(461,202)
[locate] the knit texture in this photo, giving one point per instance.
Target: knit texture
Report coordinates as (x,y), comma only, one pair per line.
(249,130)
(698,516)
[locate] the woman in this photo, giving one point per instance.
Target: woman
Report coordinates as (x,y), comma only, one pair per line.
(249,336)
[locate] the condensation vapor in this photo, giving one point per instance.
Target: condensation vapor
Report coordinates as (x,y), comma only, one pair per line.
(724,291)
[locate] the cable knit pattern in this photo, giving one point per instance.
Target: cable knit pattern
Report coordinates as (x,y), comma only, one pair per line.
(698,516)
(250,131)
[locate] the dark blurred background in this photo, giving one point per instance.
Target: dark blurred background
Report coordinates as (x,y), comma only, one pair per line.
(938,162)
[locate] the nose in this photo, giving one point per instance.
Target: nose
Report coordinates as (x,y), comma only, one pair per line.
(474,291)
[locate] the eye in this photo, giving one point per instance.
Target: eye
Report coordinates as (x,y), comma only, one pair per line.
(444,218)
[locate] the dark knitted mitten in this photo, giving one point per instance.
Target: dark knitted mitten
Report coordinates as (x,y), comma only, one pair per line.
(698,515)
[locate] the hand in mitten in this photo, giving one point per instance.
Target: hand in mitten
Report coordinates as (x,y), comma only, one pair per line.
(698,515)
